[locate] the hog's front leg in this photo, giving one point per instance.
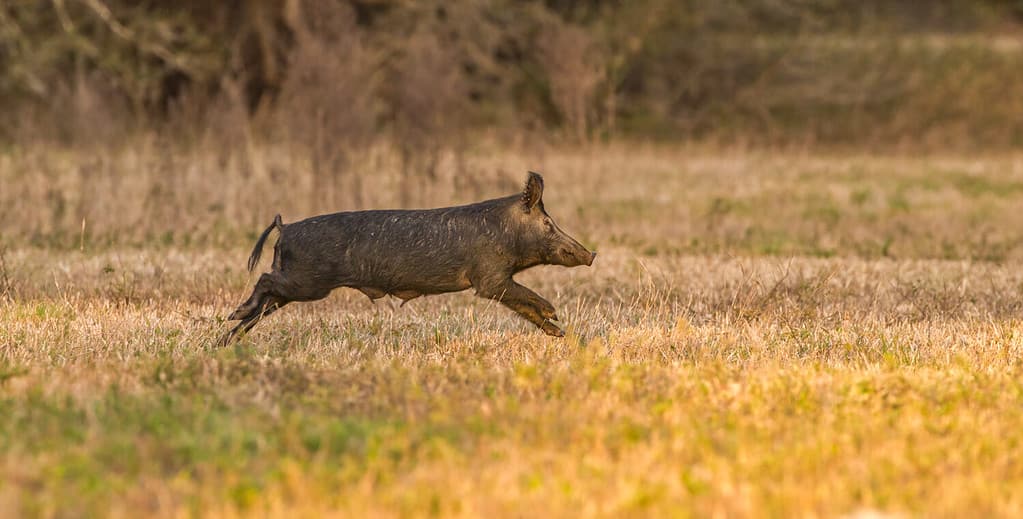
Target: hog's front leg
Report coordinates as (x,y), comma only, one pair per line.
(524,302)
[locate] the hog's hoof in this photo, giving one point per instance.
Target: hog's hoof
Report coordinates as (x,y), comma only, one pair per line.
(225,339)
(552,329)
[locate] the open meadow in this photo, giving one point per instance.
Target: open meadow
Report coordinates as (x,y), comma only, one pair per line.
(764,333)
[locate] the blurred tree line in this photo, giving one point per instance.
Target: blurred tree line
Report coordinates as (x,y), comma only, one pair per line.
(868,72)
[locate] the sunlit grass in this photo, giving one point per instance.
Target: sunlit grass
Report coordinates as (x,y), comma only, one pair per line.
(688,386)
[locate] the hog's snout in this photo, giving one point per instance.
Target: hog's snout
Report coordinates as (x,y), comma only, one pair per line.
(575,257)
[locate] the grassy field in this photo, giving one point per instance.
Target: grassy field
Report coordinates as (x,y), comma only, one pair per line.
(763,334)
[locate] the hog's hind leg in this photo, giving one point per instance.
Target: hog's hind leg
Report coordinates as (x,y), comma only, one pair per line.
(267,297)
(264,286)
(267,306)
(273,290)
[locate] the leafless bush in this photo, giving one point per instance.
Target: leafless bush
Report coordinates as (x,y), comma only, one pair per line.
(425,93)
(331,75)
(7,288)
(574,69)
(84,109)
(327,98)
(326,102)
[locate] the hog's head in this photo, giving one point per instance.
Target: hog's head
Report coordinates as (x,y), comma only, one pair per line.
(539,237)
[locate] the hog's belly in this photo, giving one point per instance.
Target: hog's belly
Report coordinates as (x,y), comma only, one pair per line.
(409,274)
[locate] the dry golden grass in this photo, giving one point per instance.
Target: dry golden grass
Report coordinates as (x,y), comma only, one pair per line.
(711,379)
(650,199)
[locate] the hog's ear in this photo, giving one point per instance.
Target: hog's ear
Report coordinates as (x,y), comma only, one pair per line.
(534,190)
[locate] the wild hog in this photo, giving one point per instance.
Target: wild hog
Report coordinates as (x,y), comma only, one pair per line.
(410,253)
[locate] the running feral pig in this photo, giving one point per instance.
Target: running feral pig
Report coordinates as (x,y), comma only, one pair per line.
(410,253)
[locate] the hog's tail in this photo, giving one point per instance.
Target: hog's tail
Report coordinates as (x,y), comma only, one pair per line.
(258,250)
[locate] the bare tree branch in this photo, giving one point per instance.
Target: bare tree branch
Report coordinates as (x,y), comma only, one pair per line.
(125,33)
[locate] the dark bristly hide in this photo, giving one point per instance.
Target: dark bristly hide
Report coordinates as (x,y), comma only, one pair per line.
(411,253)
